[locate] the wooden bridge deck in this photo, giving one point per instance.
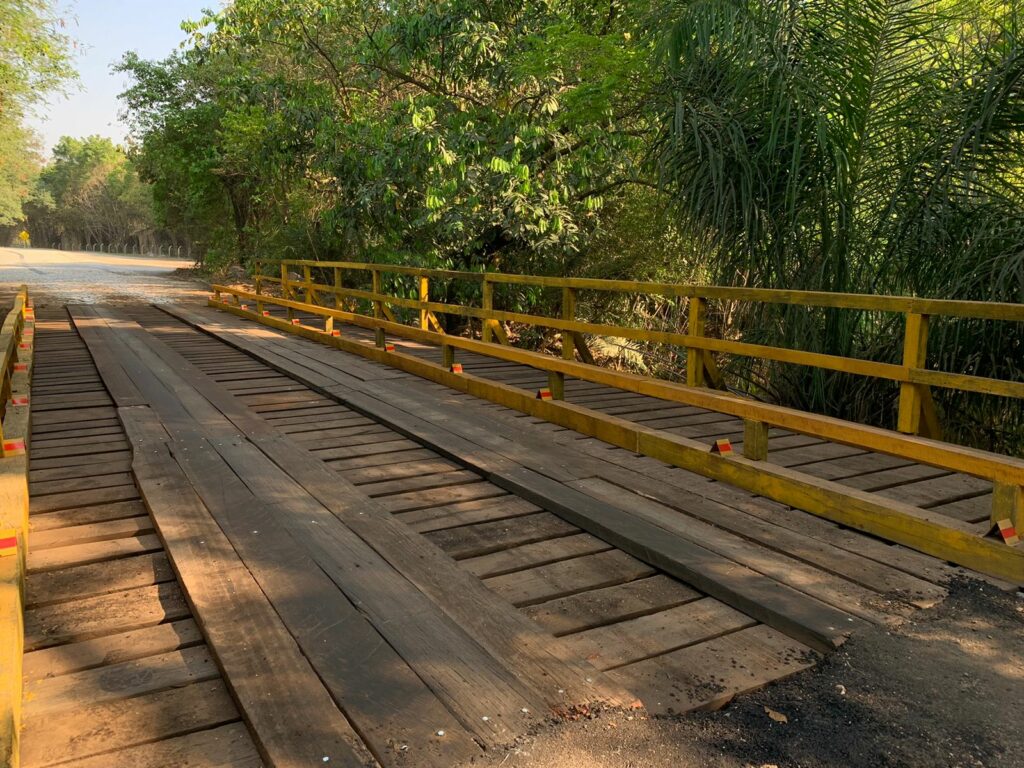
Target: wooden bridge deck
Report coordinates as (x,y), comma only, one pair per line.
(247,547)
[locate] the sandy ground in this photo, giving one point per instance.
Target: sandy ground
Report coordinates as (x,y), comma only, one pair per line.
(91,278)
(945,689)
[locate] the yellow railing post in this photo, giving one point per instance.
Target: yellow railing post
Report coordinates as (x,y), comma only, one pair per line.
(915,352)
(487,303)
(337,288)
(378,307)
(556,384)
(286,289)
(447,355)
(755,440)
(424,294)
(1008,504)
(257,277)
(695,357)
(307,276)
(569,314)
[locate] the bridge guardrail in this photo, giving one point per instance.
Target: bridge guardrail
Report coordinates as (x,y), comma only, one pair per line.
(918,528)
(17,344)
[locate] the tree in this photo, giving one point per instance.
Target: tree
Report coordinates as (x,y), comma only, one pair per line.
(863,145)
(90,194)
(34,60)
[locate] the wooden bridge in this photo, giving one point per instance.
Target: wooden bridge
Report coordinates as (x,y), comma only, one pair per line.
(278,530)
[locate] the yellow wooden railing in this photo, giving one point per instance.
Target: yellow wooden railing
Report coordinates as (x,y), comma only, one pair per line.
(17,338)
(929,532)
(916,413)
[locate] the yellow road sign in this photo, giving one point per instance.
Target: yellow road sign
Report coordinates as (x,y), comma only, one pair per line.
(23,236)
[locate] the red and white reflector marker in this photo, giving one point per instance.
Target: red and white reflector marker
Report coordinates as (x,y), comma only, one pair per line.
(244,306)
(14,447)
(544,394)
(296,321)
(8,543)
(335,333)
(456,368)
(19,400)
(20,367)
(389,347)
(24,345)
(722,447)
(266,313)
(1008,532)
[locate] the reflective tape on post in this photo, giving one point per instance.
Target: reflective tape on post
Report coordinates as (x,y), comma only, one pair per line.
(8,543)
(14,447)
(544,394)
(722,447)
(19,400)
(456,368)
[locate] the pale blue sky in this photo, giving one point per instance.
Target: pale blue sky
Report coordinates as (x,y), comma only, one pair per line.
(106,29)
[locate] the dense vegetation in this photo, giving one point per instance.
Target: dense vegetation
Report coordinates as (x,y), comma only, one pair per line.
(859,145)
(90,196)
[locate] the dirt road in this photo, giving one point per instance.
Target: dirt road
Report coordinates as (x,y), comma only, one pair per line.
(88,278)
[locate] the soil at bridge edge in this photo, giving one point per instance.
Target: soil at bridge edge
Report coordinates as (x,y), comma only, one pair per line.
(943,690)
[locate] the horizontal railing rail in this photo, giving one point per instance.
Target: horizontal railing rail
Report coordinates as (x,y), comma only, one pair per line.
(916,412)
(928,532)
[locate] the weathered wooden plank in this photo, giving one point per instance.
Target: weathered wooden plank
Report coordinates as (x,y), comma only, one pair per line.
(293,717)
(128,609)
(709,675)
(547,582)
(484,538)
(51,695)
(111,649)
(229,746)
(96,579)
(94,730)
(533,555)
(599,607)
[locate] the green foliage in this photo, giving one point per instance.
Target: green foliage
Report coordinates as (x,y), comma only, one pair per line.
(90,194)
(465,133)
(34,59)
(863,145)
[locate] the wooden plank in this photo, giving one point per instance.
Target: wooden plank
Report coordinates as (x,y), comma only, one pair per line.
(106,614)
(598,607)
(111,649)
(293,717)
(632,640)
(97,579)
(790,611)
(82,554)
(547,582)
(484,538)
(543,663)
(76,516)
(532,555)
(52,695)
(57,501)
(120,724)
(229,746)
(91,532)
(709,675)
(730,523)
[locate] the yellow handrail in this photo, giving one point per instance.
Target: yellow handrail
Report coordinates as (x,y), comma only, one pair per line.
(916,413)
(933,533)
(16,346)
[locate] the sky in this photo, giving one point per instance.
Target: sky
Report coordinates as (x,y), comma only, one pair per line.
(105,29)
